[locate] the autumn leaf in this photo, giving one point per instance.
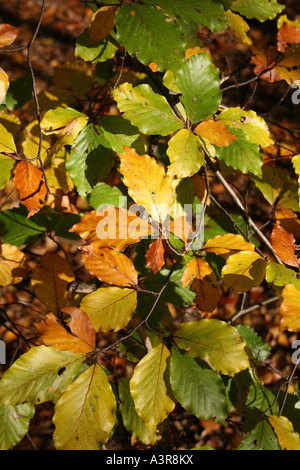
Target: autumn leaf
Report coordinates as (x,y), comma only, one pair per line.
(147,183)
(204,284)
(50,279)
(28,180)
(102,22)
(243,271)
(239,26)
(288,438)
(289,220)
(12,265)
(155,255)
(284,246)
(109,265)
(182,228)
(289,309)
(215,132)
(8,34)
(54,334)
(4,84)
(227,245)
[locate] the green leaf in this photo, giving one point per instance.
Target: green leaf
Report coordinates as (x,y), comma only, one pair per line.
(103,195)
(17,230)
(85,414)
(202,12)
(68,121)
(99,51)
(279,275)
(147,110)
(19,92)
(198,389)
(262,10)
(215,341)
(41,374)
(110,308)
(261,437)
(241,154)
(14,423)
(148,388)
(131,419)
(185,154)
(198,80)
(91,158)
(151,35)
(119,131)
(259,348)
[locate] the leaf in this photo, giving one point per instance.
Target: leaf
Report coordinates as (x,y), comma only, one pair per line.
(216,342)
(112,227)
(148,388)
(110,308)
(215,132)
(109,265)
(103,195)
(279,275)
(17,230)
(50,279)
(227,245)
(287,34)
(118,132)
(199,390)
(296,165)
(261,437)
(198,80)
(30,141)
(185,153)
(289,309)
(243,271)
(53,334)
(4,84)
(288,438)
(151,35)
(283,244)
(14,423)
(259,348)
(182,228)
(130,418)
(102,22)
(41,374)
(99,51)
(29,181)
(287,219)
(65,121)
(145,109)
(239,26)
(204,284)
(8,34)
(91,158)
(85,414)
(12,265)
(262,10)
(147,183)
(155,255)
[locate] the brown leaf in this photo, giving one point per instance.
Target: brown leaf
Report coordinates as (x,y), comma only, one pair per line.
(155,255)
(289,221)
(109,265)
(28,180)
(54,334)
(8,34)
(284,246)
(265,57)
(102,22)
(80,325)
(215,132)
(112,227)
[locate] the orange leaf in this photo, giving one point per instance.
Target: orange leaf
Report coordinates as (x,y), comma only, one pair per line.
(181,228)
(284,246)
(289,221)
(53,334)
(112,227)
(265,57)
(8,34)
(215,132)
(109,265)
(155,255)
(81,325)
(288,34)
(102,22)
(28,180)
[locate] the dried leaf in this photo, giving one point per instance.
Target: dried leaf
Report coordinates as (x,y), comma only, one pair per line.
(155,255)
(8,34)
(215,132)
(109,265)
(102,22)
(28,180)
(284,246)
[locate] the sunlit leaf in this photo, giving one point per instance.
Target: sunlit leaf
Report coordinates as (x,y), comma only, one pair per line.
(4,84)
(65,121)
(239,26)
(288,438)
(260,9)
(289,309)
(185,154)
(227,245)
(12,264)
(243,271)
(284,246)
(215,132)
(14,423)
(155,255)
(8,34)
(279,275)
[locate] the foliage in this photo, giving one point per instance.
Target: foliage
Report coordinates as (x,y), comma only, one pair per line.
(134,269)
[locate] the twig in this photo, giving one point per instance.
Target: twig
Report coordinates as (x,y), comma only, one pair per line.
(243,311)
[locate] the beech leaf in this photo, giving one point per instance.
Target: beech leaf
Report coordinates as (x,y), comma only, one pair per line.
(243,271)
(215,132)
(102,22)
(8,34)
(289,309)
(155,255)
(284,246)
(288,438)
(29,181)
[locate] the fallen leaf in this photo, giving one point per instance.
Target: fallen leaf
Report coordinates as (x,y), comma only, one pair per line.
(28,180)
(284,246)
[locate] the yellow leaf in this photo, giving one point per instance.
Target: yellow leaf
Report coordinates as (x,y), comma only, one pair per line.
(110,308)
(227,245)
(4,84)
(243,271)
(288,438)
(147,183)
(290,308)
(102,22)
(50,279)
(185,153)
(30,141)
(296,165)
(148,387)
(7,143)
(239,26)
(65,121)
(12,265)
